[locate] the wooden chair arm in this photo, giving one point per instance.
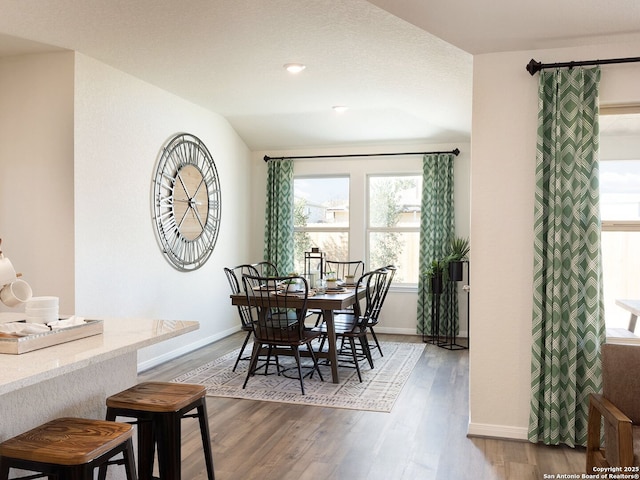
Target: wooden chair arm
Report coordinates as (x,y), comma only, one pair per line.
(608,410)
(619,440)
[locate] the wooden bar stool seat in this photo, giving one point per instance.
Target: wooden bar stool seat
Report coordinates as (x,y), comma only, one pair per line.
(69,448)
(159,408)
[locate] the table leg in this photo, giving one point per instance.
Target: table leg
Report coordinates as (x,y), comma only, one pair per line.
(331,340)
(632,322)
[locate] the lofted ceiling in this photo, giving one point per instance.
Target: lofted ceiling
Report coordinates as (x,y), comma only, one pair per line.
(402,67)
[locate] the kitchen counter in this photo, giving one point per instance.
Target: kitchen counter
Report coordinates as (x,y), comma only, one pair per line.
(75,378)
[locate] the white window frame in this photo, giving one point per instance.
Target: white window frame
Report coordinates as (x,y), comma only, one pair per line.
(346,230)
(397,286)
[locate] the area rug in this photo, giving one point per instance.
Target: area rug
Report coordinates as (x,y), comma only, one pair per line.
(378,391)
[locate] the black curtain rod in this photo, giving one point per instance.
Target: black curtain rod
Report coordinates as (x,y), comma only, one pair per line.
(534,67)
(455,152)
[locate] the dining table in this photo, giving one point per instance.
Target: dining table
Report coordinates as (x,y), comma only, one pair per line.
(328,303)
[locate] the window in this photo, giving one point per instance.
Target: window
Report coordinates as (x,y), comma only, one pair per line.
(620,210)
(393,231)
(321,217)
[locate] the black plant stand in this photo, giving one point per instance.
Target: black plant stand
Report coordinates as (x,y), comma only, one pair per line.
(450,336)
(436,292)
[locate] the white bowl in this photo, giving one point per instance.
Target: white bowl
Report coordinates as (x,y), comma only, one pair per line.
(42,302)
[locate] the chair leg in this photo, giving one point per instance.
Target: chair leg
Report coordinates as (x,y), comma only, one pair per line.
(315,362)
(373,334)
(252,364)
(244,344)
(4,469)
(296,354)
(129,461)
(352,343)
(169,445)
(364,343)
(206,439)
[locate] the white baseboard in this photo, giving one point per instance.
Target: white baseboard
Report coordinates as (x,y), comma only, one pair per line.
(183,350)
(170,355)
(497,431)
(407,331)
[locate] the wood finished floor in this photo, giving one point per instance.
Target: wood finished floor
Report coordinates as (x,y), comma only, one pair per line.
(424,437)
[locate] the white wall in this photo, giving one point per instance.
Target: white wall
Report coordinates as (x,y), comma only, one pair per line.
(502,185)
(120,125)
(36,172)
(399,313)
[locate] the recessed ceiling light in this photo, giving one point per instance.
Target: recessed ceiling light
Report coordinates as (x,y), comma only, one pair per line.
(340,108)
(294,67)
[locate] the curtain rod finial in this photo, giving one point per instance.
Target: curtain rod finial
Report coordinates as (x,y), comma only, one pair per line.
(533,67)
(456,152)
(266,158)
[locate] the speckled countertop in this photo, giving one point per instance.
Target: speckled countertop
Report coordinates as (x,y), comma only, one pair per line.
(119,336)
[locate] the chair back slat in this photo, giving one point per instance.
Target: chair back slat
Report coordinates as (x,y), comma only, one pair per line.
(234,276)
(278,316)
(342,269)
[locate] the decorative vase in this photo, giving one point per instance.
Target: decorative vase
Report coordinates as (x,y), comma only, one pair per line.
(455,271)
(436,284)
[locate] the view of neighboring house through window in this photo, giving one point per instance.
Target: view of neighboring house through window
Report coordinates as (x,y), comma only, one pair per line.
(321,217)
(393,231)
(620,213)
(620,210)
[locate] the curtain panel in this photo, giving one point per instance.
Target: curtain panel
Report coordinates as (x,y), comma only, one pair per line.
(278,230)
(437,229)
(568,313)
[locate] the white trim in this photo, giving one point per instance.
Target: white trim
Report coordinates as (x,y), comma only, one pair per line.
(497,431)
(155,361)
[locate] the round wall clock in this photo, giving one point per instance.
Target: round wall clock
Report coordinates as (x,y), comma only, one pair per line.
(187,202)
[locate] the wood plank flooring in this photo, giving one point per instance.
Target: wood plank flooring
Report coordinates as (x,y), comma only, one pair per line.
(424,437)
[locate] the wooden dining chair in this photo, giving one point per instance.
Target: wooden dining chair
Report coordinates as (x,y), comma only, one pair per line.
(278,321)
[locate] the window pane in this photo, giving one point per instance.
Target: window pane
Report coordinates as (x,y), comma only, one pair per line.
(395,201)
(321,202)
(335,245)
(620,189)
(621,262)
(396,248)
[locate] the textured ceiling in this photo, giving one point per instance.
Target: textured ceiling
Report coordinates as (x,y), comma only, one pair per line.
(401,83)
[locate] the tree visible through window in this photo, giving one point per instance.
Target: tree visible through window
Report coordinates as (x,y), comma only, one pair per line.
(321,217)
(394,224)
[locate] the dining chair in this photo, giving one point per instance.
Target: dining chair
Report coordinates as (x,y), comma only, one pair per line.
(278,321)
(234,277)
(343,269)
(372,320)
(354,325)
(266,269)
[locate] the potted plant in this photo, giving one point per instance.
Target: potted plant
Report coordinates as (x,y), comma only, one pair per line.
(291,285)
(458,252)
(332,280)
(435,273)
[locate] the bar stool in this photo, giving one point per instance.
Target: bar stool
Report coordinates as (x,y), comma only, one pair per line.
(69,448)
(159,408)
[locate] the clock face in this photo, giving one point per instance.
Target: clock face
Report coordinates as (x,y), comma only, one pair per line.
(186,200)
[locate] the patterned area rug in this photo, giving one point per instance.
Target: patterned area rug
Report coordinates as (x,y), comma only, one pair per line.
(378,391)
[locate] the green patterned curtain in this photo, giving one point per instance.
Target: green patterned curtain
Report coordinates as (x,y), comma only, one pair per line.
(278,229)
(437,228)
(568,313)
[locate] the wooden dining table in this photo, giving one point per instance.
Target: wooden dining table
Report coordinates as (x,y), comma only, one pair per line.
(327,303)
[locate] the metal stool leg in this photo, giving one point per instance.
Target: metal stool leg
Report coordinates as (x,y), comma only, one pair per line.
(206,439)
